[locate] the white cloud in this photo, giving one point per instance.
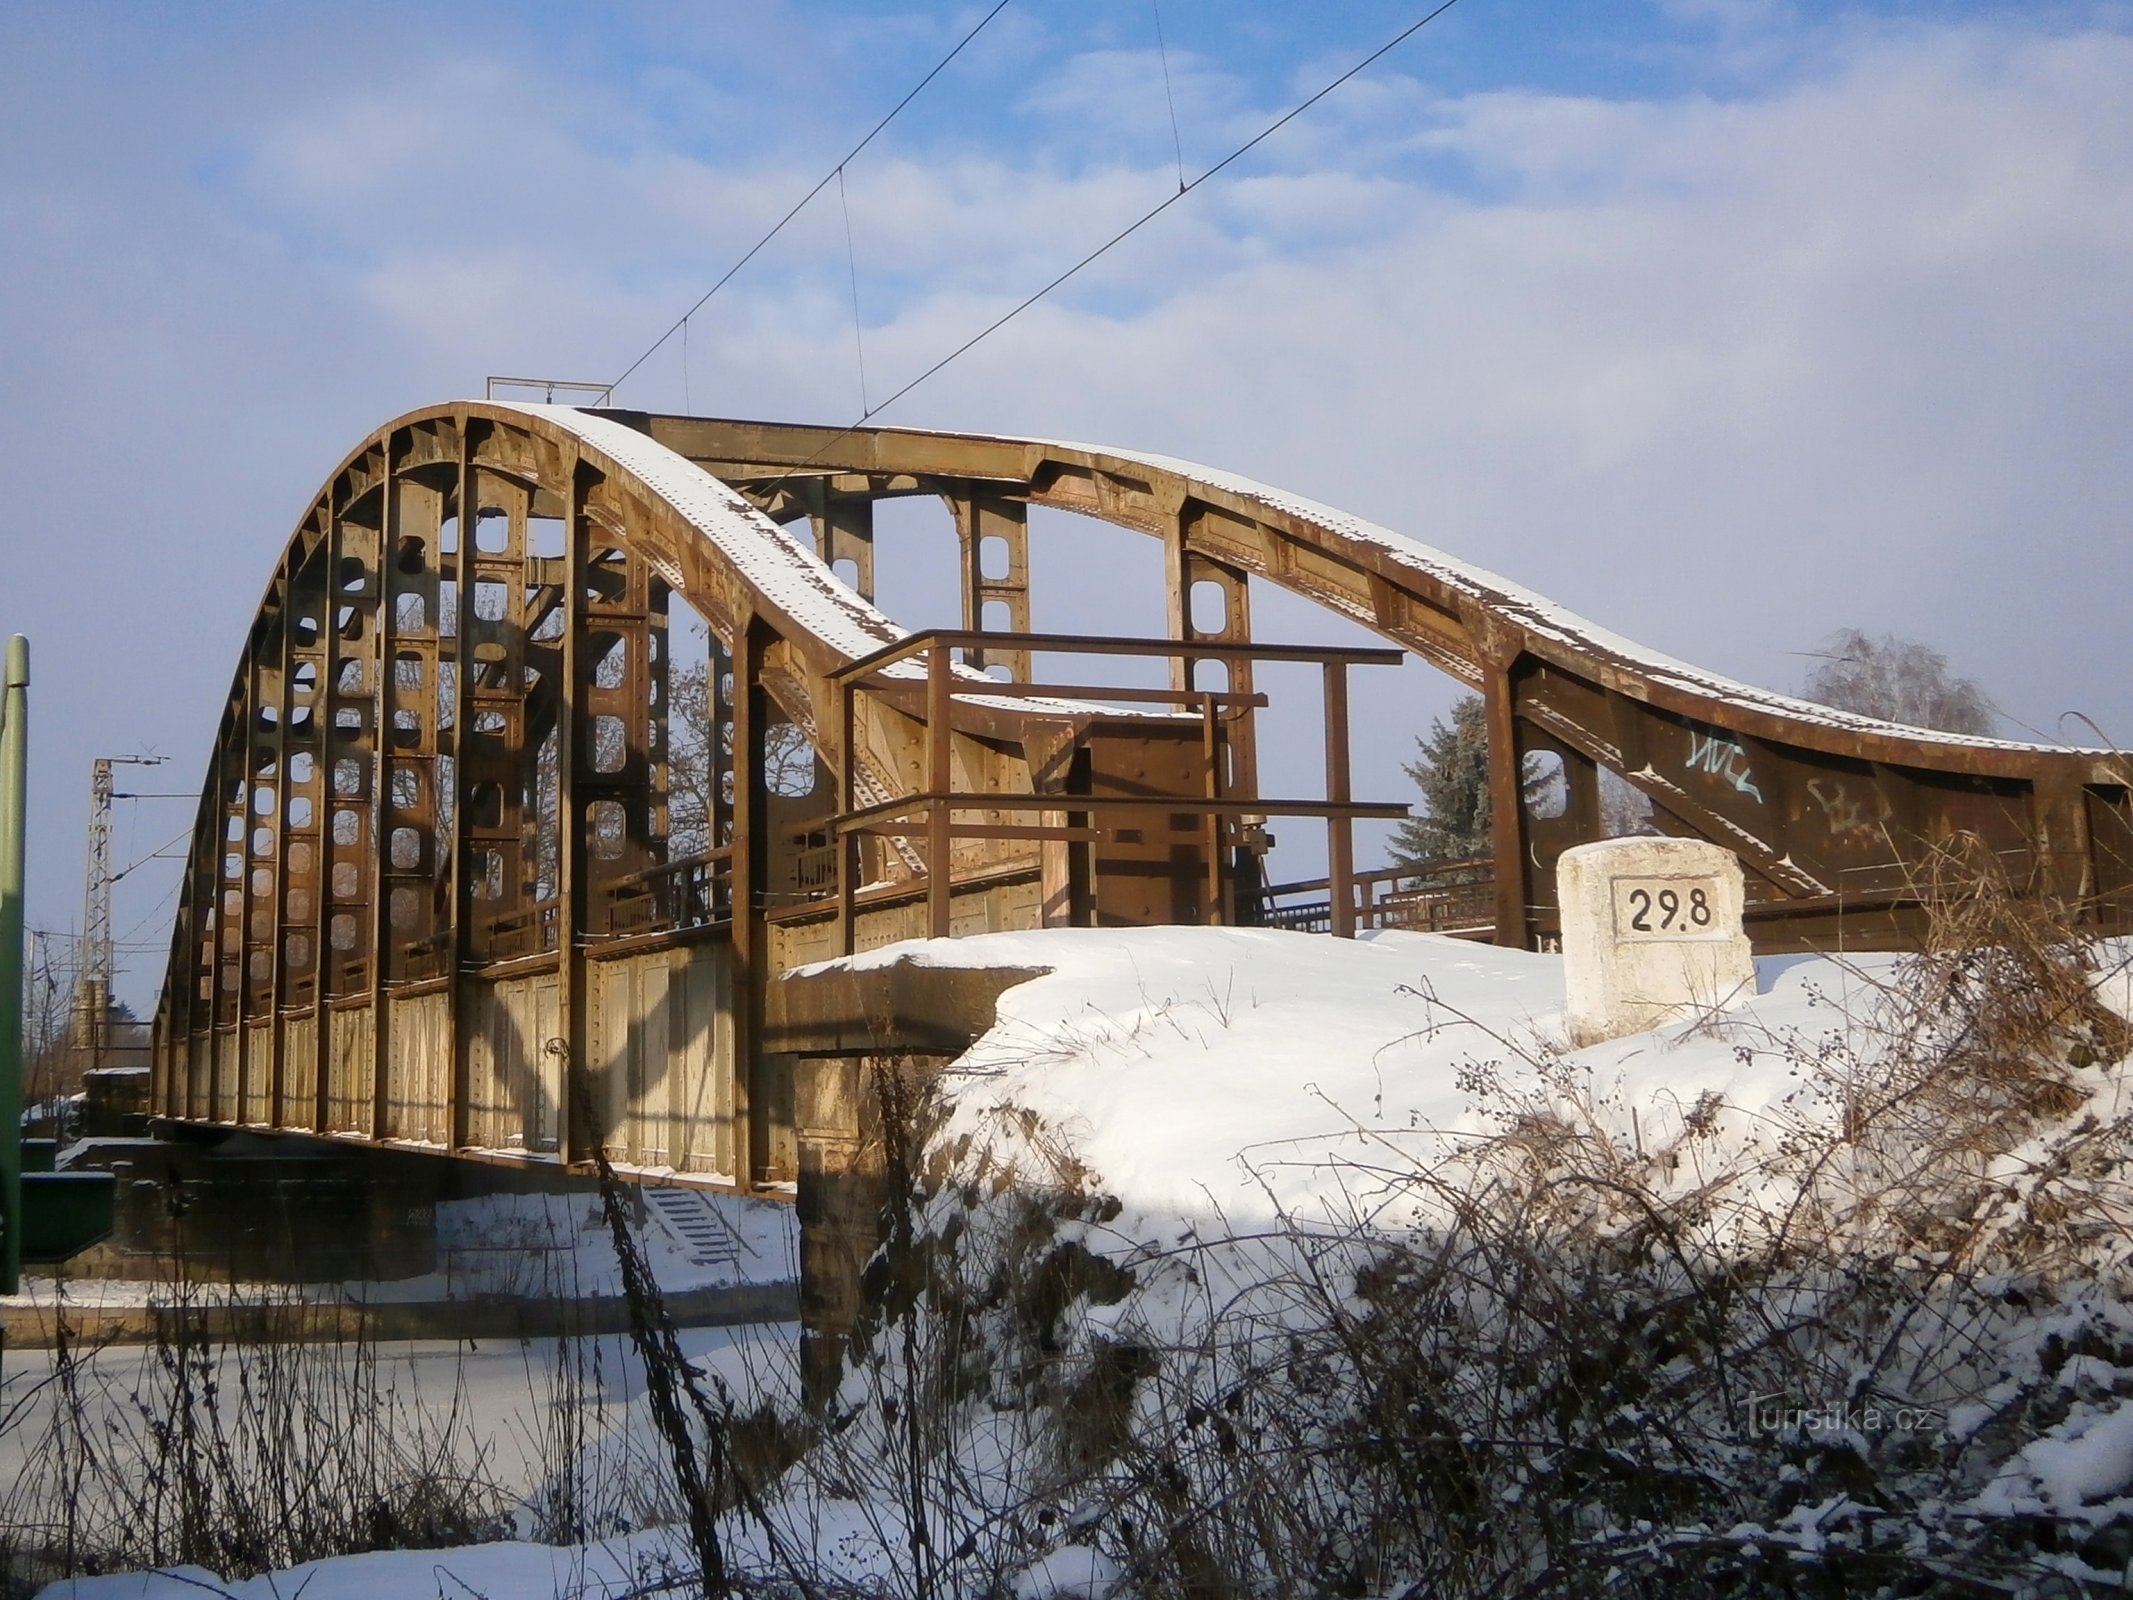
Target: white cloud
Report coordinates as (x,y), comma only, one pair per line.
(1723,373)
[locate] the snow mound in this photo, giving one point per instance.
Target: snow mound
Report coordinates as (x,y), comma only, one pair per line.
(1247,1069)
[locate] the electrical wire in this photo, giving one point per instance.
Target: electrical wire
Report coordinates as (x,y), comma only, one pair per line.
(851,257)
(1162,51)
(157,854)
(823,183)
(1129,230)
(132,935)
(837,173)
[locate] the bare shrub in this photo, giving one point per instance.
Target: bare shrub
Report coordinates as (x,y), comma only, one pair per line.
(1824,1348)
(1871,1338)
(243,1449)
(262,1428)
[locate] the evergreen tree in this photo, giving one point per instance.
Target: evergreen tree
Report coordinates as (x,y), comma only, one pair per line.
(1458,820)
(1453,774)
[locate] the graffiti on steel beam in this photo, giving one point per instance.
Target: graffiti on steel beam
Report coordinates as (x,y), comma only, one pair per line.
(1723,757)
(1846,813)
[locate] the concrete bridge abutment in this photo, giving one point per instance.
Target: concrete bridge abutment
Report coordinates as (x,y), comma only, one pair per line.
(867,1047)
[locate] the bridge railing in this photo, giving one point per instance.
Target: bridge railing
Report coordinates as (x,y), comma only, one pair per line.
(1456,897)
(672,897)
(526,930)
(938,813)
(693,892)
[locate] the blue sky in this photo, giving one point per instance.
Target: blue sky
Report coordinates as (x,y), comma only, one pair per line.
(1727,323)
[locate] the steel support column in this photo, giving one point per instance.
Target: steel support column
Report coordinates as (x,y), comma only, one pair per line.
(752,714)
(464,511)
(987,523)
(573,736)
(843,526)
(1507,812)
(379,668)
(14,796)
(1184,570)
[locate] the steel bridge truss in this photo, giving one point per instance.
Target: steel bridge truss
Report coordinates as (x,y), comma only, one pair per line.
(554,740)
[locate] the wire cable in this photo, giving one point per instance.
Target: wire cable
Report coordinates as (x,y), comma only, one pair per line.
(132,942)
(154,855)
(1128,231)
(1163,54)
(799,206)
(851,257)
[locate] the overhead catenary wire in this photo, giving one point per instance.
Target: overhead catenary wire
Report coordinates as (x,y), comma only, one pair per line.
(132,941)
(822,183)
(851,258)
(1129,230)
(157,854)
(46,969)
(1157,210)
(1162,52)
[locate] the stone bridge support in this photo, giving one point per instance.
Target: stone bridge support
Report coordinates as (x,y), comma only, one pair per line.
(866,1047)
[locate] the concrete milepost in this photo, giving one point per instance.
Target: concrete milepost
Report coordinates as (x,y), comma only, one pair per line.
(14,764)
(1651,934)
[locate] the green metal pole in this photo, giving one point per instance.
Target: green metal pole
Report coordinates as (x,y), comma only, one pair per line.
(14,773)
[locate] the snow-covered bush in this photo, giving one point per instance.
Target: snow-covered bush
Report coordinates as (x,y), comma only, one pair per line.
(240,1450)
(1867,1334)
(1337,1273)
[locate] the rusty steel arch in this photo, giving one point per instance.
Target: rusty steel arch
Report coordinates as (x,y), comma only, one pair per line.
(1833,814)
(449,886)
(436,894)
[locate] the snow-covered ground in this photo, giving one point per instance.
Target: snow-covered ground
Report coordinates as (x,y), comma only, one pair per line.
(625,1566)
(1230,1071)
(1202,1104)
(509,1246)
(509,1382)
(547,1244)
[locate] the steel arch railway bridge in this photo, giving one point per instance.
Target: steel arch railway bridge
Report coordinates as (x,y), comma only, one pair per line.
(497,854)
